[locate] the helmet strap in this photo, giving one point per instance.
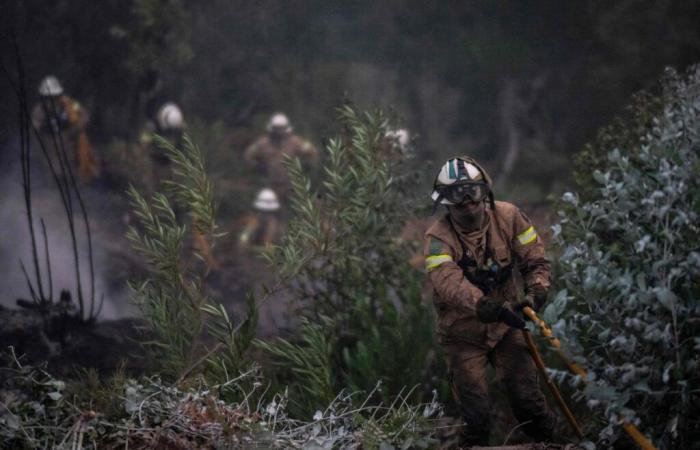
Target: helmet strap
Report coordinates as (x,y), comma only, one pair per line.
(436,203)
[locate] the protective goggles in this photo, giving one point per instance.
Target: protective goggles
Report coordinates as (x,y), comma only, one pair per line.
(465,192)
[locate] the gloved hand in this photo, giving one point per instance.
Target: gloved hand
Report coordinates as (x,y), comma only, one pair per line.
(534,298)
(510,318)
(490,309)
(528,300)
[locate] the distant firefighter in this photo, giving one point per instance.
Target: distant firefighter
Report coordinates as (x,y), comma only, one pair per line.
(58,115)
(267,153)
(261,227)
(397,144)
(169,123)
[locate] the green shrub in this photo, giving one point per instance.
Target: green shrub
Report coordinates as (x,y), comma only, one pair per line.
(172,298)
(350,273)
(627,131)
(630,266)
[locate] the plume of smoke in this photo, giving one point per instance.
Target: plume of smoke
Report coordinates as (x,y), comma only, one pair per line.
(15,239)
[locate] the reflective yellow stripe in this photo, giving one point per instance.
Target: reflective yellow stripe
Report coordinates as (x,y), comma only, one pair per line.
(434,261)
(527,236)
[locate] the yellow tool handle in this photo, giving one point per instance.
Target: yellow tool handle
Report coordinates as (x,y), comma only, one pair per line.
(638,437)
(554,342)
(544,329)
(550,384)
(630,428)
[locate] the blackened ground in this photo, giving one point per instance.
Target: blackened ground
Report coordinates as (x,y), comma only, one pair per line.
(66,343)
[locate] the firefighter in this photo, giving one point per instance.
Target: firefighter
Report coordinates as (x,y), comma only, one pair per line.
(472,254)
(267,153)
(169,123)
(61,121)
(397,144)
(261,228)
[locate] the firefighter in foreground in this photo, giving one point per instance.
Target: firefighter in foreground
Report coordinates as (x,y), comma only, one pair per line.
(63,118)
(472,255)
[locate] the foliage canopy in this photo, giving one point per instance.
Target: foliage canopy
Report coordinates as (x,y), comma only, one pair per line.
(630,266)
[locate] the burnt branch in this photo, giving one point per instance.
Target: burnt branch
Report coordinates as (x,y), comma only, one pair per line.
(67,185)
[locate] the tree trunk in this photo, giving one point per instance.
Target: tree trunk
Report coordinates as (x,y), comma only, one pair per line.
(515,102)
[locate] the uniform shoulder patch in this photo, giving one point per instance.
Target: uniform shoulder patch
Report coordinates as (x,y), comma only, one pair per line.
(436,246)
(437,254)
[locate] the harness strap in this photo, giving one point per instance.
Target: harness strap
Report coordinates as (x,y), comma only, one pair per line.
(486,280)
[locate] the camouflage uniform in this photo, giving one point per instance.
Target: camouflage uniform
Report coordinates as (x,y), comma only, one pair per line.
(464,266)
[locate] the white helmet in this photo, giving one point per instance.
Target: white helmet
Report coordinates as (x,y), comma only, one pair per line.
(266,201)
(50,86)
(169,117)
(459,172)
(401,137)
(279,123)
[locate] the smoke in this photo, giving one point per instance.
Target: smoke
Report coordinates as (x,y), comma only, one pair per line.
(15,242)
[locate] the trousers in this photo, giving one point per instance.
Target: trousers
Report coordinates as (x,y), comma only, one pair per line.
(515,368)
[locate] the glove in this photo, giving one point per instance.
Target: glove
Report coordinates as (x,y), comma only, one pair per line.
(528,300)
(510,318)
(488,308)
(534,298)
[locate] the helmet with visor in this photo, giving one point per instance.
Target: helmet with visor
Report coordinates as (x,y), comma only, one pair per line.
(463,192)
(460,181)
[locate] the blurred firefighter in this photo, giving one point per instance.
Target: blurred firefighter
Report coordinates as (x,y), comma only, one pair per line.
(267,153)
(167,122)
(396,148)
(396,145)
(472,255)
(261,227)
(61,122)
